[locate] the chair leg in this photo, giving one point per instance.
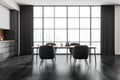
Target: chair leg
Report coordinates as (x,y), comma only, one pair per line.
(87,65)
(41,62)
(70,56)
(86,62)
(55,58)
(74,63)
(53,61)
(89,58)
(79,61)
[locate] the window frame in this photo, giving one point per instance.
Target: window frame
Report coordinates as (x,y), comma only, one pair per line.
(67,28)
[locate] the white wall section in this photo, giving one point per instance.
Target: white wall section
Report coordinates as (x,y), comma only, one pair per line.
(10,4)
(117,30)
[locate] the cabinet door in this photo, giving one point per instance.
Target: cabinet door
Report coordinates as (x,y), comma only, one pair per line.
(4,18)
(7,49)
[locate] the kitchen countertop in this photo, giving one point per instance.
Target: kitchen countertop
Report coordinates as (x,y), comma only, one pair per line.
(8,41)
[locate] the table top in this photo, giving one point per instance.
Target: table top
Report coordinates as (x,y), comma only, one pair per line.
(59,47)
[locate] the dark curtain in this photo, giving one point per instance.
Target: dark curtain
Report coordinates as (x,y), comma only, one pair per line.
(107,30)
(26,29)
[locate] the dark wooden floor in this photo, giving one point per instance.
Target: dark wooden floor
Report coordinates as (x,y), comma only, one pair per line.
(28,68)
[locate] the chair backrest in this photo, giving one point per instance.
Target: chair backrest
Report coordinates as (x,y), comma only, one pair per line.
(73,44)
(50,44)
(80,52)
(46,52)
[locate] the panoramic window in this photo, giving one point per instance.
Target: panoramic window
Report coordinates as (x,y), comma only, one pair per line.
(61,24)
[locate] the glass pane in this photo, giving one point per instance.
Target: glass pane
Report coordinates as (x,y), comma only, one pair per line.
(73,35)
(60,23)
(73,22)
(48,11)
(73,11)
(36,51)
(73,42)
(37,35)
(84,11)
(59,43)
(37,22)
(60,11)
(45,42)
(95,11)
(60,35)
(95,23)
(37,44)
(37,11)
(95,35)
(85,43)
(61,51)
(84,22)
(97,45)
(84,35)
(48,23)
(48,35)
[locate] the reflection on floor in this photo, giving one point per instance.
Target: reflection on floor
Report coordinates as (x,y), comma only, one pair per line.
(29,68)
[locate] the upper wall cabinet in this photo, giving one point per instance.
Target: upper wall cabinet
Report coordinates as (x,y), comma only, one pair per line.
(4,18)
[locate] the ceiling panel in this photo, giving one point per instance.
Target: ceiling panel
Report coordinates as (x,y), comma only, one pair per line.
(68,2)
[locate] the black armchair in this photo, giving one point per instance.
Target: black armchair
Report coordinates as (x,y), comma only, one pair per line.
(80,52)
(46,52)
(71,49)
(73,44)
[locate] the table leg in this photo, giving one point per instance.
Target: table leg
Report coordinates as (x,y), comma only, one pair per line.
(36,54)
(67,55)
(89,55)
(95,56)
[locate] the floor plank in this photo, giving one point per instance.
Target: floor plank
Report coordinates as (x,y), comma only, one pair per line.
(29,68)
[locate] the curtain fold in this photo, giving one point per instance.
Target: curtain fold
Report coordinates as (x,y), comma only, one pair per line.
(26,29)
(107,30)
